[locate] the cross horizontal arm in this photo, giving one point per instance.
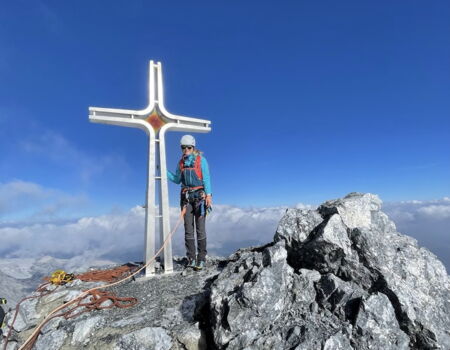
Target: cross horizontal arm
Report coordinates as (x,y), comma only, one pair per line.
(116,111)
(181,118)
(133,118)
(120,117)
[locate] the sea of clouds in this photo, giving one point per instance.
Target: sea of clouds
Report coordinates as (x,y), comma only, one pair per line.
(119,236)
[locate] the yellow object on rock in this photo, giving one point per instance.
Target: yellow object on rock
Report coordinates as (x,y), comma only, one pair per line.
(61,277)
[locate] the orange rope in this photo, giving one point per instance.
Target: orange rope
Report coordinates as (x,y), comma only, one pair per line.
(29,342)
(97,299)
(110,275)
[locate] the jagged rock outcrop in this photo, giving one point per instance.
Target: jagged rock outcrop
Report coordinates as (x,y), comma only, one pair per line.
(357,242)
(339,277)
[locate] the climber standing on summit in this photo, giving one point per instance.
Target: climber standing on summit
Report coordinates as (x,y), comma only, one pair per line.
(193,173)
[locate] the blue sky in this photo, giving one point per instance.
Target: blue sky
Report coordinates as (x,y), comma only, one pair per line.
(309,100)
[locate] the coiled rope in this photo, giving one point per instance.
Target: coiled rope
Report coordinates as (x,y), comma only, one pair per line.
(111,275)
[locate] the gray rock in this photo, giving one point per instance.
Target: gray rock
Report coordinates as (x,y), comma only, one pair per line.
(144,339)
(22,322)
(338,341)
(338,296)
(249,295)
(376,325)
(84,329)
(415,282)
(295,226)
(355,209)
(51,340)
(358,260)
(132,320)
(192,338)
(12,345)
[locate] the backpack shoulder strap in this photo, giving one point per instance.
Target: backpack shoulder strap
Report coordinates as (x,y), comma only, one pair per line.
(181,164)
(198,166)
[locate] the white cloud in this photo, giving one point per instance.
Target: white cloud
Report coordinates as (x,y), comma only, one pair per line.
(54,146)
(412,210)
(427,221)
(230,228)
(436,211)
(119,236)
(28,201)
(102,235)
(42,226)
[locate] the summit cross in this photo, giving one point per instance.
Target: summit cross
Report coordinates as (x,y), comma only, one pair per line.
(155,120)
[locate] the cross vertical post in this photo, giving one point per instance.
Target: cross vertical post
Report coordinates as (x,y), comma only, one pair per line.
(155,120)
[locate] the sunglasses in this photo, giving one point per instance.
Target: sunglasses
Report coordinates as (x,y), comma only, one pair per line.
(188,147)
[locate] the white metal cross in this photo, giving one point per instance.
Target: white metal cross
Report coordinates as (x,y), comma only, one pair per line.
(155,120)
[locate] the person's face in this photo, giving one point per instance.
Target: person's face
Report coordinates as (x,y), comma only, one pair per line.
(187,150)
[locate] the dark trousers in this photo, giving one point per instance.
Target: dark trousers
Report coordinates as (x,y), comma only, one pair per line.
(190,218)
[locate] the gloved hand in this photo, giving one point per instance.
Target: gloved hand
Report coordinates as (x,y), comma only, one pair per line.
(208,201)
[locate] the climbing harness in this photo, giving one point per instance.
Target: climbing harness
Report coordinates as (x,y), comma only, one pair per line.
(191,189)
(97,298)
(190,194)
(197,197)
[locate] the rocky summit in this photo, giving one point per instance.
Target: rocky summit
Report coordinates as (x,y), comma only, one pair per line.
(338,277)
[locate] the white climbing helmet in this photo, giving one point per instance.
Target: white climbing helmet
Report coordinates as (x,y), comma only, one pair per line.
(187,140)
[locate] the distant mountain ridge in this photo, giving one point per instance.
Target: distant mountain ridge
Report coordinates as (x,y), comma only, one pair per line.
(19,277)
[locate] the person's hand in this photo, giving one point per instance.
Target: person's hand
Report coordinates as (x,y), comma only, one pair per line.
(209,200)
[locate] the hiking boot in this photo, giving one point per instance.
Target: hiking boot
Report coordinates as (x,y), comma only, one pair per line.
(200,265)
(190,263)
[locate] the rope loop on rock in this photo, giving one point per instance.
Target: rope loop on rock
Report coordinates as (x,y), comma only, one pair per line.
(99,300)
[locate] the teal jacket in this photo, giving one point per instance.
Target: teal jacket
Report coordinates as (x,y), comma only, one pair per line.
(188,181)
